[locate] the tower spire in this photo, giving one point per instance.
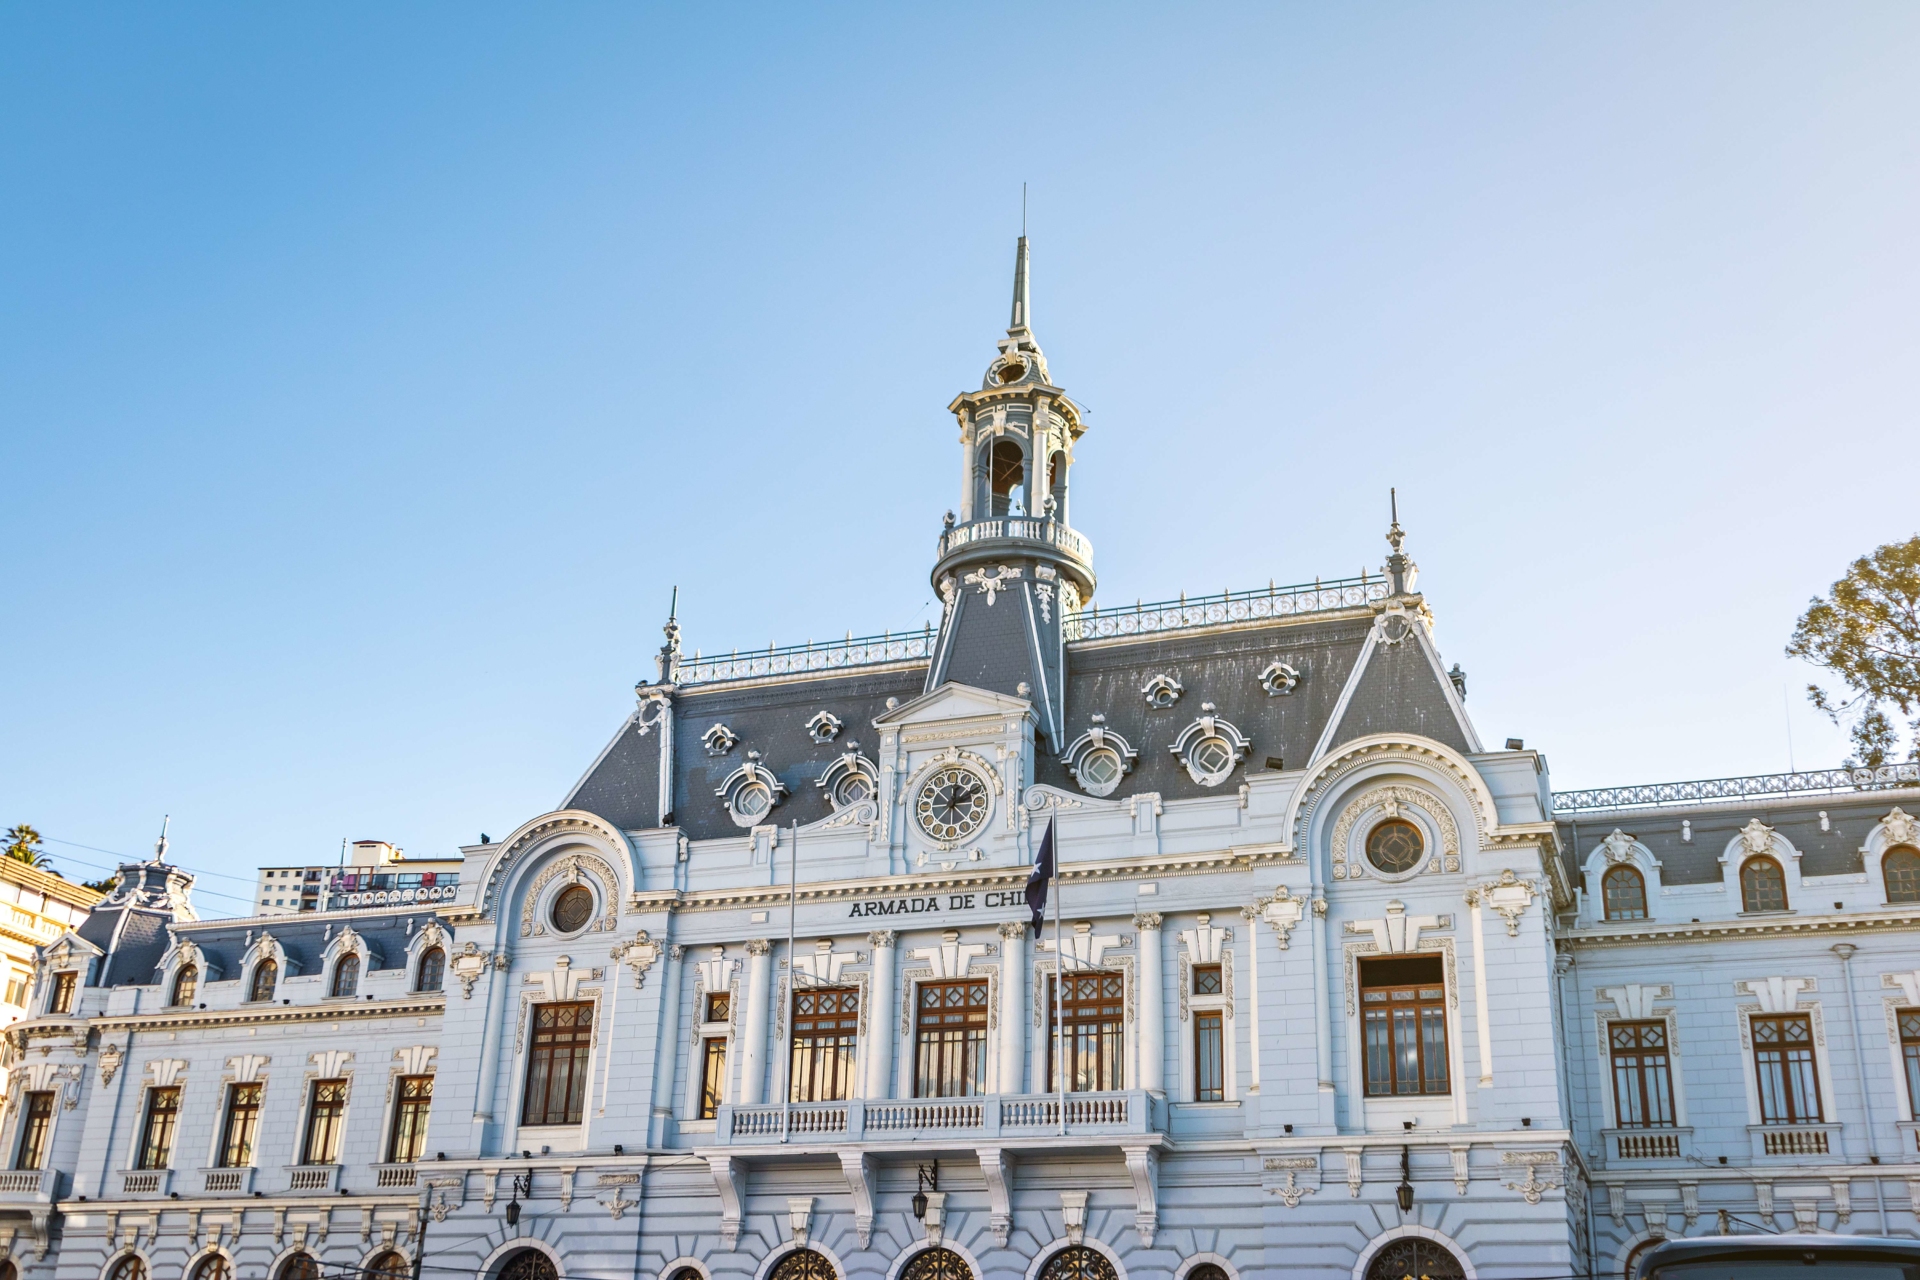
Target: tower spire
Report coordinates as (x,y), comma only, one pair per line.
(1018,326)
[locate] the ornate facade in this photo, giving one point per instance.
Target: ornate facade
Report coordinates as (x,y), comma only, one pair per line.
(1335,989)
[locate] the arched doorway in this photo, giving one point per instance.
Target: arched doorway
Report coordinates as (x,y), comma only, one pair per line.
(803,1264)
(936,1264)
(1412,1258)
(528,1264)
(1077,1262)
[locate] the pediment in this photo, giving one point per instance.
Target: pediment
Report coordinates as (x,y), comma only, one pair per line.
(954,701)
(62,951)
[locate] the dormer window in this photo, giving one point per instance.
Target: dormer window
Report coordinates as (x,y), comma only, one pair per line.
(1099,758)
(184,986)
(433,970)
(266,975)
(1623,892)
(346,976)
(750,792)
(1763,886)
(1210,748)
(64,987)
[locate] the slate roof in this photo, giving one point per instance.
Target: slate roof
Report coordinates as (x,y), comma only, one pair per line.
(304,938)
(1832,852)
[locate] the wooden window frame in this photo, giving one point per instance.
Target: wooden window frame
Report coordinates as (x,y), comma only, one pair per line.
(66,989)
(1384,1006)
(552,1047)
(1810,1078)
(159,1126)
(326,1121)
(824,1050)
(412,1107)
(713,1076)
(1094,1030)
(1647,1082)
(1623,872)
(950,1041)
(240,1125)
(36,1128)
(1747,898)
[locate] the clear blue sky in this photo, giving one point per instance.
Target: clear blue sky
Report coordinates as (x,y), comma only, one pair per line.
(369,374)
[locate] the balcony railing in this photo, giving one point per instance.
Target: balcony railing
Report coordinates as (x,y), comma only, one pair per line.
(312,1177)
(1794,1140)
(1318,596)
(26,1182)
(1812,782)
(1050,532)
(801,659)
(217,1181)
(1012,1115)
(145,1182)
(394,1175)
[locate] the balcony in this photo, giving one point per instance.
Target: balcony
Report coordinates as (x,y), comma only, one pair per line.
(394,1175)
(1795,1139)
(1089,1115)
(27,1184)
(1648,1144)
(145,1182)
(1046,533)
(313,1177)
(226,1181)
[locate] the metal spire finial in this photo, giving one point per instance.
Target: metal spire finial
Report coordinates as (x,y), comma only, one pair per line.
(1395,536)
(160,845)
(1022,311)
(669,659)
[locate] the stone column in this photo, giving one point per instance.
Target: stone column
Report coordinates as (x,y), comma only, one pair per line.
(666,1050)
(1252,916)
(753,1048)
(879,1075)
(495,1043)
(1013,1005)
(1153,1023)
(1323,997)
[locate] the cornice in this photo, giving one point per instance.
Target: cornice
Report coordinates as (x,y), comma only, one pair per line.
(1603,935)
(343,1010)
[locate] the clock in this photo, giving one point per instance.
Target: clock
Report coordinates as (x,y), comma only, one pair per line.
(952,804)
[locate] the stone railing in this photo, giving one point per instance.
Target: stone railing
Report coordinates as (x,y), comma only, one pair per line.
(802,659)
(1812,782)
(1188,612)
(994,1115)
(1050,532)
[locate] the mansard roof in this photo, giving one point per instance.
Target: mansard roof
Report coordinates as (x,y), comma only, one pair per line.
(304,938)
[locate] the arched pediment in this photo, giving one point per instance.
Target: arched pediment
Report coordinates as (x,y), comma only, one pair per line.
(541,835)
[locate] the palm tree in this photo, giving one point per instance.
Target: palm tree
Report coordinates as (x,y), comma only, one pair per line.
(23,845)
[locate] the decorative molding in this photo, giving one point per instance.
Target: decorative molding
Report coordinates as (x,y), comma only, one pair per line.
(1162,691)
(1389,800)
(1279,679)
(576,868)
(825,726)
(1399,932)
(990,584)
(719,740)
(1099,740)
(1208,727)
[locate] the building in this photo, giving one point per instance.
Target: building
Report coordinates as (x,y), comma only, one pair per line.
(37,907)
(370,873)
(1332,989)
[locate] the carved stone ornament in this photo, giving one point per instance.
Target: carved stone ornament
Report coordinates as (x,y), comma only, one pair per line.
(1162,691)
(638,955)
(990,583)
(1291,1194)
(574,868)
(110,1062)
(1278,678)
(1390,800)
(1534,1187)
(719,740)
(1900,828)
(1618,847)
(1756,838)
(751,792)
(467,967)
(824,727)
(1099,758)
(1210,748)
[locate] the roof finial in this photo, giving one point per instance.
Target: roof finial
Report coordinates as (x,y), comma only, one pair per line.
(1394,534)
(1401,570)
(670,651)
(160,845)
(1022,310)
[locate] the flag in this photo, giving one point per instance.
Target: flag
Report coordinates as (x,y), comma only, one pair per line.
(1037,881)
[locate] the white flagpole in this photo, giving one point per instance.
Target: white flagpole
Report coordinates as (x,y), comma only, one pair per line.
(1059,984)
(793,976)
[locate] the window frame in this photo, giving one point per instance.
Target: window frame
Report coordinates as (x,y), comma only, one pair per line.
(1746,902)
(412,1109)
(155,1151)
(935,1046)
(186,985)
(247,1115)
(713,1077)
(64,991)
(1906,1023)
(326,1120)
(345,983)
(1623,871)
(1426,1010)
(1812,1064)
(1108,1040)
(434,955)
(545,1045)
(1632,1056)
(270,968)
(34,1141)
(1910,894)
(832,1044)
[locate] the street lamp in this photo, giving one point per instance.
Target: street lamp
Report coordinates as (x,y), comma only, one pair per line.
(1404,1192)
(929,1181)
(522,1186)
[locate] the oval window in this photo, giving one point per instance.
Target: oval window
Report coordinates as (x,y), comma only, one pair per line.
(751,801)
(1212,759)
(1395,846)
(572,909)
(852,789)
(1100,770)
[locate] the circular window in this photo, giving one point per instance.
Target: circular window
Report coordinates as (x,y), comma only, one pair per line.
(1212,758)
(852,789)
(952,804)
(572,909)
(1100,770)
(1395,846)
(751,801)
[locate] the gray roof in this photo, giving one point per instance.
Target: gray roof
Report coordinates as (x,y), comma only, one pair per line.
(1835,851)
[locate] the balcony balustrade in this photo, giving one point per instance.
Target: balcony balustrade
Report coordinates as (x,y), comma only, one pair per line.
(1089,1115)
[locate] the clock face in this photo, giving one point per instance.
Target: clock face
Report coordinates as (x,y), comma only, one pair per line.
(952,804)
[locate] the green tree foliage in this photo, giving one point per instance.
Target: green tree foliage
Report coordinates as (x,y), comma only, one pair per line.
(101,886)
(1867,633)
(23,845)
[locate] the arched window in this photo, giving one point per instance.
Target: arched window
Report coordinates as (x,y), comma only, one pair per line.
(687,1273)
(266,975)
(391,1266)
(1624,892)
(7,1270)
(1057,485)
(185,985)
(1005,471)
(1207,1271)
(936,1264)
(301,1266)
(1763,885)
(1901,867)
(346,975)
(128,1268)
(433,970)
(802,1264)
(530,1264)
(1077,1262)
(213,1267)
(1412,1258)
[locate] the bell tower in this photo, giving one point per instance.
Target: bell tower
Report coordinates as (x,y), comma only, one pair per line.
(1011,569)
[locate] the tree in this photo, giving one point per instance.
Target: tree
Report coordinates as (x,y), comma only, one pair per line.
(101,886)
(1867,633)
(23,845)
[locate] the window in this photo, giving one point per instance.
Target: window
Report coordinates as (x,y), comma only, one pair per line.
(572,909)
(17,991)
(36,1119)
(1642,1075)
(213,1267)
(1783,1063)
(1623,893)
(713,1075)
(853,787)
(326,1108)
(1207,1271)
(433,970)
(1206,980)
(1099,770)
(184,986)
(1910,1054)
(1901,867)
(410,1119)
(346,975)
(1763,886)
(1412,1256)
(63,989)
(825,1026)
(557,1064)
(128,1268)
(802,1264)
(266,975)
(241,1126)
(1403,1011)
(1395,846)
(1077,1262)
(1005,472)
(1209,1075)
(950,1040)
(1090,1017)
(719,1006)
(936,1264)
(156,1132)
(531,1264)
(301,1266)
(391,1266)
